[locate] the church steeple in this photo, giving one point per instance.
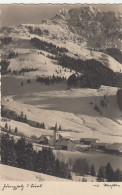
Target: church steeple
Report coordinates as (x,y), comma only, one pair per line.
(55,134)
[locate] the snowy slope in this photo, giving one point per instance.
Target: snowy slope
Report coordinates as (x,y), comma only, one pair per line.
(8,173)
(73,111)
(58,35)
(26,130)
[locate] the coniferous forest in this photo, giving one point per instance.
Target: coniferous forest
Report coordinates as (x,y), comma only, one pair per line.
(22,155)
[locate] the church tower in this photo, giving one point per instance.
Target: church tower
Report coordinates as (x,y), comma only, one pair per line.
(55,134)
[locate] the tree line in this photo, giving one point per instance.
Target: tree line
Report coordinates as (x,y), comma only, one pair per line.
(93,72)
(50,80)
(12,54)
(105,173)
(4,66)
(49,47)
(10,114)
(115,53)
(6,40)
(38,31)
(119,98)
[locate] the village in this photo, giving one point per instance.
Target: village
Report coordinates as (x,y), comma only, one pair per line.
(59,141)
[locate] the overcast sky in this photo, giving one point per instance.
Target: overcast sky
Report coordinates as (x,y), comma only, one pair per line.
(33,14)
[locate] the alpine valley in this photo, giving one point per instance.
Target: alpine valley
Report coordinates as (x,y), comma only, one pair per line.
(61,88)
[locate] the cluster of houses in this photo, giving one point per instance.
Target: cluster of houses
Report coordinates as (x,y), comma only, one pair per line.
(61,142)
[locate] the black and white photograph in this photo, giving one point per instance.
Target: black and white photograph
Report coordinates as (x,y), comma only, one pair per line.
(61,92)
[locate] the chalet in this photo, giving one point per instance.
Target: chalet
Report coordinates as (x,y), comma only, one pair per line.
(64,143)
(87,141)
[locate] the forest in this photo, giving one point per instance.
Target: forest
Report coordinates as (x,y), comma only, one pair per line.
(49,47)
(93,73)
(22,155)
(115,53)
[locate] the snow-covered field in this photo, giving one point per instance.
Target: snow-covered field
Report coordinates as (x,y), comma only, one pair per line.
(8,173)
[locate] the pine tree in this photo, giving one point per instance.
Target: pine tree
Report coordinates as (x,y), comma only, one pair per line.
(4,148)
(101,174)
(57,168)
(28,157)
(117,175)
(9,129)
(16,131)
(20,149)
(43,125)
(12,156)
(8,152)
(56,127)
(22,115)
(60,128)
(6,126)
(92,171)
(109,173)
(25,119)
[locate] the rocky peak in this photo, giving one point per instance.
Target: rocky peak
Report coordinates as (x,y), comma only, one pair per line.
(61,17)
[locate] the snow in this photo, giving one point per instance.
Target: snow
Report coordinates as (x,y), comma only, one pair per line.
(9,173)
(58,35)
(69,108)
(88,178)
(27,130)
(73,111)
(44,66)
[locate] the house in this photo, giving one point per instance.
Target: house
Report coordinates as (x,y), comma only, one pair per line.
(87,141)
(64,143)
(115,148)
(45,140)
(82,148)
(99,146)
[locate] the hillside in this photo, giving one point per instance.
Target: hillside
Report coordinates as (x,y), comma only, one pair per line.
(74,110)
(61,75)
(41,59)
(9,173)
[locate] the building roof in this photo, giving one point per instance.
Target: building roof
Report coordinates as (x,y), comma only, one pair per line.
(45,136)
(114,146)
(88,139)
(99,144)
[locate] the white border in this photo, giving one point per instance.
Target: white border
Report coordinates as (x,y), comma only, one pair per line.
(62,1)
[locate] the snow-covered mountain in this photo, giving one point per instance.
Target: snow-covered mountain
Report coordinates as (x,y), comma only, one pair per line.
(73,34)
(98,29)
